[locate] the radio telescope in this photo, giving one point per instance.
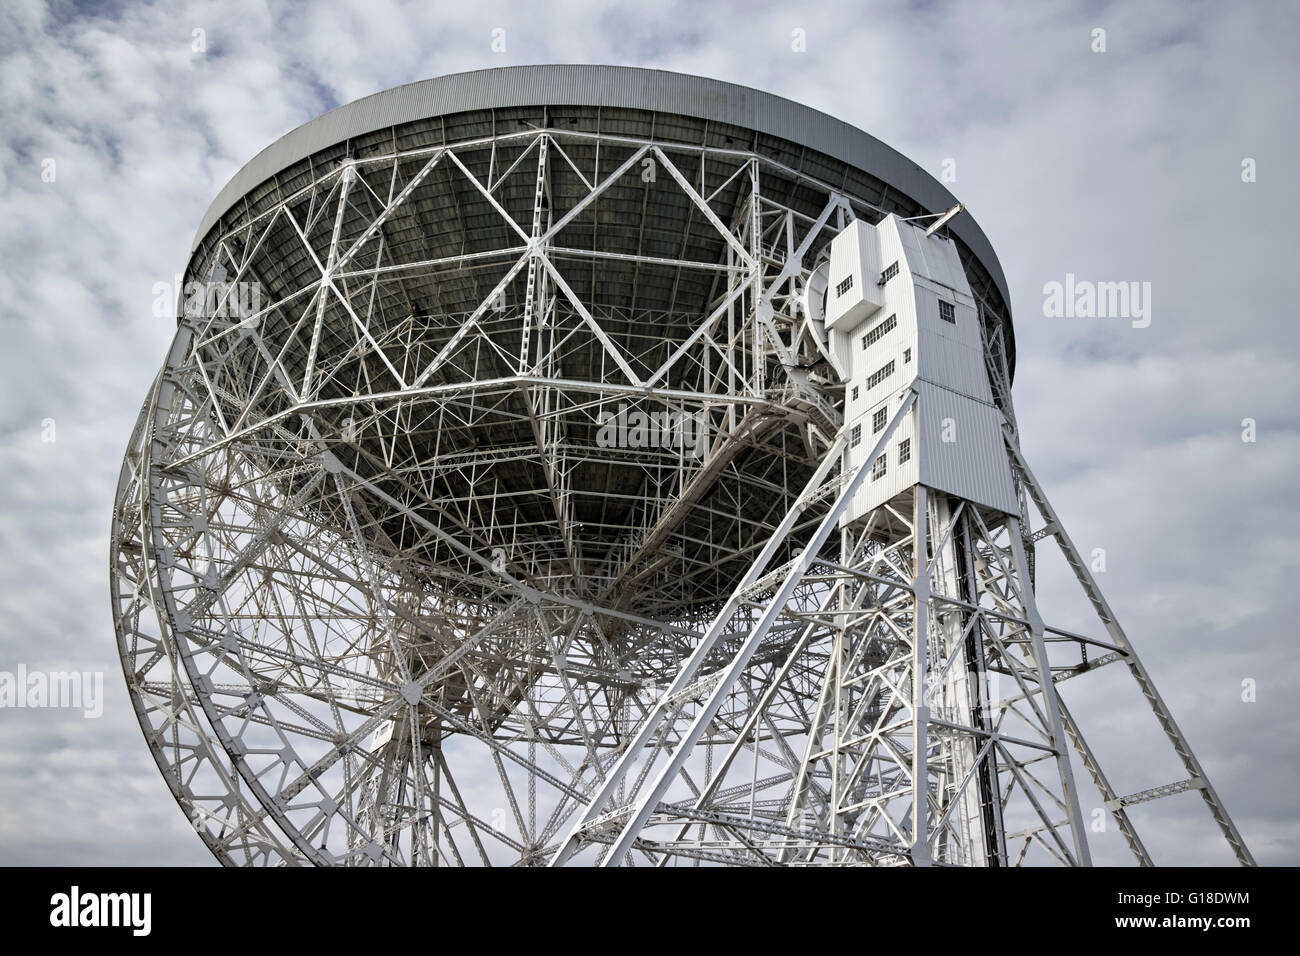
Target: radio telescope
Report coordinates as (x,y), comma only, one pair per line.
(593,465)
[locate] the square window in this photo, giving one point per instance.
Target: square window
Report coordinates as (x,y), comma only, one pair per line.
(878,468)
(855,393)
(947,312)
(878,420)
(855,436)
(907,356)
(904,450)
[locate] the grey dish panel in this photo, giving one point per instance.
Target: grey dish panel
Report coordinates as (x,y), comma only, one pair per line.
(610,86)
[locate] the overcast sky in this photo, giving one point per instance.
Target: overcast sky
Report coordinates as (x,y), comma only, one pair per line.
(1119,165)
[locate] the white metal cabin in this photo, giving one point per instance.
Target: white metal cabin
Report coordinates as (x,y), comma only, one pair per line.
(900,315)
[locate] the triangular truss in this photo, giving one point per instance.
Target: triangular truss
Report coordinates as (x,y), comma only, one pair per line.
(384,598)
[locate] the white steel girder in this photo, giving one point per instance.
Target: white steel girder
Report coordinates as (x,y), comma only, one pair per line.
(347,649)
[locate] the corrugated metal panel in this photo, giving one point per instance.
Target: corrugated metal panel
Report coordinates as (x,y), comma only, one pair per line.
(897,299)
(891,248)
(973,463)
(950,353)
(945,265)
(936,258)
(966,327)
(854,259)
(877,357)
(908,237)
(608,86)
(952,365)
(898,477)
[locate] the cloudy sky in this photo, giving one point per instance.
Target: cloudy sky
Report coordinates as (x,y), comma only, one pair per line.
(1118,165)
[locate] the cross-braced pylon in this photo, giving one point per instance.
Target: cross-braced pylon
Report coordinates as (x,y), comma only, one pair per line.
(385,594)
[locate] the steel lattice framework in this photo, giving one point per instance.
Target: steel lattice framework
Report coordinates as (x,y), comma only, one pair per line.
(384,596)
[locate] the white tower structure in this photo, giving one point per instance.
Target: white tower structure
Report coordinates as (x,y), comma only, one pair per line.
(902,319)
(413,563)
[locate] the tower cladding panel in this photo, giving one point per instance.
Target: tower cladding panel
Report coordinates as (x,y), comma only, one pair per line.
(901,317)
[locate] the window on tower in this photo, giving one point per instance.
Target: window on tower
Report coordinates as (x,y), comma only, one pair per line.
(881,328)
(947,312)
(880,375)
